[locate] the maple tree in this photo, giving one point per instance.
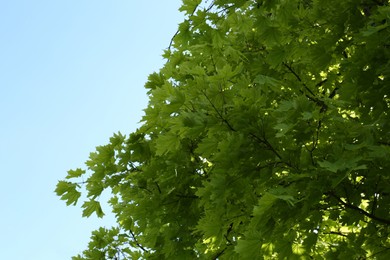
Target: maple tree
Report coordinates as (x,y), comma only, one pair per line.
(266,137)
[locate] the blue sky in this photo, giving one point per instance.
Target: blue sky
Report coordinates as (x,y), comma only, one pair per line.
(71,74)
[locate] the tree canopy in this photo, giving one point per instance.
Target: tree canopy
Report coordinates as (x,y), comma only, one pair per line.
(266,136)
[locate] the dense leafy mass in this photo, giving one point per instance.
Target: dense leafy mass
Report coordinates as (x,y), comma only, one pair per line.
(267,136)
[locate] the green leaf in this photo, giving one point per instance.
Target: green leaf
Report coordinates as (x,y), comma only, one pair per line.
(90,207)
(283,128)
(95,188)
(290,200)
(68,192)
(266,80)
(276,57)
(374,29)
(272,35)
(285,106)
(250,247)
(207,146)
(343,163)
(75,173)
(167,143)
(189,6)
(307,115)
(155,80)
(265,203)
(333,167)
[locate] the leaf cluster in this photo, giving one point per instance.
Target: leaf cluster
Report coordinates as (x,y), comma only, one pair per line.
(266,137)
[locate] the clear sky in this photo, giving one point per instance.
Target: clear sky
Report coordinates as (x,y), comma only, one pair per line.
(71,74)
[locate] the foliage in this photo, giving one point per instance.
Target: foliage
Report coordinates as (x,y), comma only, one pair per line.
(266,137)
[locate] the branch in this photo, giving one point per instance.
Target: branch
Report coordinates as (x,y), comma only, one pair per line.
(178,30)
(187,196)
(365,213)
(210,6)
(269,146)
(298,78)
(319,84)
(219,113)
(378,252)
(173,37)
(313,97)
(270,164)
(158,187)
(333,93)
(376,196)
(219,254)
(136,242)
(334,233)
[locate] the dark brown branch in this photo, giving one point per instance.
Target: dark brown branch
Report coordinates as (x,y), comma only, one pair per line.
(365,213)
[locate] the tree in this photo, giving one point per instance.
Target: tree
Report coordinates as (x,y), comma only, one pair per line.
(266,137)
